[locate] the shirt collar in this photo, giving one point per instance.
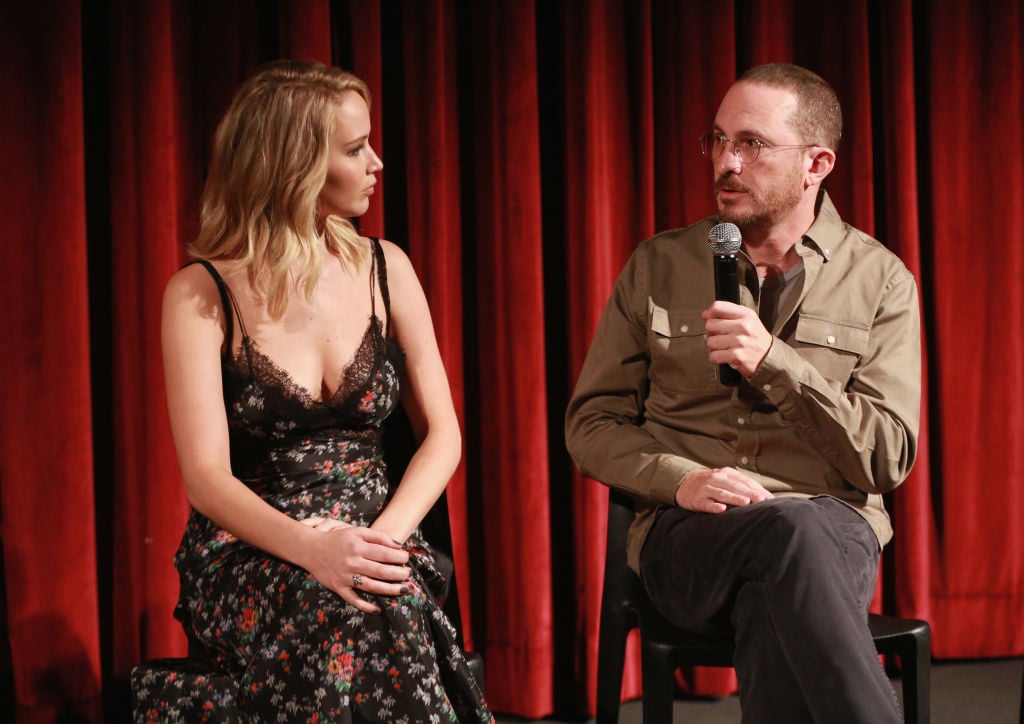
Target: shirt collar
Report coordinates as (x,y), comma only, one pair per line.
(827,231)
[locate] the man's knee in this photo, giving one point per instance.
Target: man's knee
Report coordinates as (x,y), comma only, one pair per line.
(787,518)
(797,531)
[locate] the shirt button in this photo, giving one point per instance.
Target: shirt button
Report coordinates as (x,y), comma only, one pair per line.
(831,339)
(766,387)
(740,421)
(744,460)
(685,328)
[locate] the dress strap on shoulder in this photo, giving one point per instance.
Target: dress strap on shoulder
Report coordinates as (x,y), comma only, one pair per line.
(382,282)
(227,300)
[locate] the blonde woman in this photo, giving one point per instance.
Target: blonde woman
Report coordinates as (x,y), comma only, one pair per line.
(285,349)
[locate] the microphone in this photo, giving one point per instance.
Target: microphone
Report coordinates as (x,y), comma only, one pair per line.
(725,241)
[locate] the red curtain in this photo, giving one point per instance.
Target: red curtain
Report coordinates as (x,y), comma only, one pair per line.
(46,445)
(528,147)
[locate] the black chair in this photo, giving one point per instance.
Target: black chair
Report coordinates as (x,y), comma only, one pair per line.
(664,647)
(1021,715)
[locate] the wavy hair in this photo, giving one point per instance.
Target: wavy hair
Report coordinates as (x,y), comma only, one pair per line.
(267,168)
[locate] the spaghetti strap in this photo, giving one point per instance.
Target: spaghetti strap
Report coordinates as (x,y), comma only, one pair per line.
(227,300)
(382,282)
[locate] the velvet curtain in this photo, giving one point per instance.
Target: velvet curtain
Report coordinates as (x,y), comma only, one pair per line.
(528,147)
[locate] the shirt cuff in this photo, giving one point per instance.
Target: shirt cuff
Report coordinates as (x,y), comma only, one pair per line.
(672,470)
(774,377)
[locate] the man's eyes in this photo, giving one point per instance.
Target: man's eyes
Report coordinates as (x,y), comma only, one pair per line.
(751,143)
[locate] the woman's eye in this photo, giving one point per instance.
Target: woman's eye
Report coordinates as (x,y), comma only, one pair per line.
(355,151)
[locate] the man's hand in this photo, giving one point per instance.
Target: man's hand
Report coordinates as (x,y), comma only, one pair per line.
(714,490)
(736,337)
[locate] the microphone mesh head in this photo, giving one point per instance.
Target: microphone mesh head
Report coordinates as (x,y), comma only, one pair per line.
(725,238)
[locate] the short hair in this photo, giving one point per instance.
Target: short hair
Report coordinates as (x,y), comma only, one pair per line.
(268,166)
(819,117)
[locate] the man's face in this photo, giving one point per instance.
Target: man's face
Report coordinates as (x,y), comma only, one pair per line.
(763,193)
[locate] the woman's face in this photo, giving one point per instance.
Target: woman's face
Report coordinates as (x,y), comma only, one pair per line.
(351,162)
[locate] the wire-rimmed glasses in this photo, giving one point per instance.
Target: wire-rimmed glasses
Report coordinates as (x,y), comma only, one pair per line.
(745,149)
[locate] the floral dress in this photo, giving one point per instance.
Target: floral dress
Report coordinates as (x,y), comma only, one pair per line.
(267,642)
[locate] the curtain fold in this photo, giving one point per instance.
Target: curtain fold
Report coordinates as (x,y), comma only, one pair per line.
(305,29)
(529,148)
(973,221)
(144,249)
(48,531)
(512,439)
(363,32)
(913,550)
(434,211)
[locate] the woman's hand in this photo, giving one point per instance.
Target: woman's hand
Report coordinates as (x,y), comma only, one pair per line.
(348,558)
(325,525)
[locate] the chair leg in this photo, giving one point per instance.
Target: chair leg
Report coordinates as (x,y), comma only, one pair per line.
(915,659)
(658,682)
(1021,716)
(611,659)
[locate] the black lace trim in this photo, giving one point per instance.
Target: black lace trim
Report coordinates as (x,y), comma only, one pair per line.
(353,378)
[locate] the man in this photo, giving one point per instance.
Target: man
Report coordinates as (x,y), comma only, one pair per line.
(759,505)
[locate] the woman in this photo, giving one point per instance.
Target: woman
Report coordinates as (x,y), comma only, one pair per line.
(302,571)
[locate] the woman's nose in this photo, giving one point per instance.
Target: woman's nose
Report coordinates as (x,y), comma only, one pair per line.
(375,165)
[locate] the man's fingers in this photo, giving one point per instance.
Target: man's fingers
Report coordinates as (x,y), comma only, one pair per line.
(710,505)
(746,485)
(721,309)
(715,490)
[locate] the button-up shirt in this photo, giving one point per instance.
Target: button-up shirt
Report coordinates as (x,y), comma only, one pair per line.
(833,409)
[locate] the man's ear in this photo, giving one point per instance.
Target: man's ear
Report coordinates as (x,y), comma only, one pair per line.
(822,160)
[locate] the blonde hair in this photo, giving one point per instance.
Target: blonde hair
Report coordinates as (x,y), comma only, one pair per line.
(268,166)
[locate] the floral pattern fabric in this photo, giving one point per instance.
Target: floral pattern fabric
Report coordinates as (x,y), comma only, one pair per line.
(268,643)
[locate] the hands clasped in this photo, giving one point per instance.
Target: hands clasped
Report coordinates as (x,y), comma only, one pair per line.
(736,337)
(349,557)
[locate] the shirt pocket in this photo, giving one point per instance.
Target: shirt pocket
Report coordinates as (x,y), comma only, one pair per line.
(679,352)
(833,346)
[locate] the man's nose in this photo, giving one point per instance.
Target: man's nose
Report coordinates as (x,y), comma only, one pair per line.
(729,160)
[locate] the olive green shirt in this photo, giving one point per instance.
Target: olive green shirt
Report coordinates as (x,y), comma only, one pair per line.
(832,410)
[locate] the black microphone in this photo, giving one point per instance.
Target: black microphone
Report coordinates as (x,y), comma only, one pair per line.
(725,241)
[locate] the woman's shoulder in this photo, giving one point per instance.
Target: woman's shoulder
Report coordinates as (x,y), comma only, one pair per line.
(390,248)
(197,274)
(395,258)
(191,279)
(194,287)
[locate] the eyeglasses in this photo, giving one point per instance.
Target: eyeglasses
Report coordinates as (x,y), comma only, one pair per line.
(746,149)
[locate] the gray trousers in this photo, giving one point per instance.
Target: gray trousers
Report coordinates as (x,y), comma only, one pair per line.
(792,579)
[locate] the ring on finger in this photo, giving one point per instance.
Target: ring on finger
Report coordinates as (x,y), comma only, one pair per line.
(357,580)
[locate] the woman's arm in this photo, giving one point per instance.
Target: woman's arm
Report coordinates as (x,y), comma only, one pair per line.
(193,332)
(427,400)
